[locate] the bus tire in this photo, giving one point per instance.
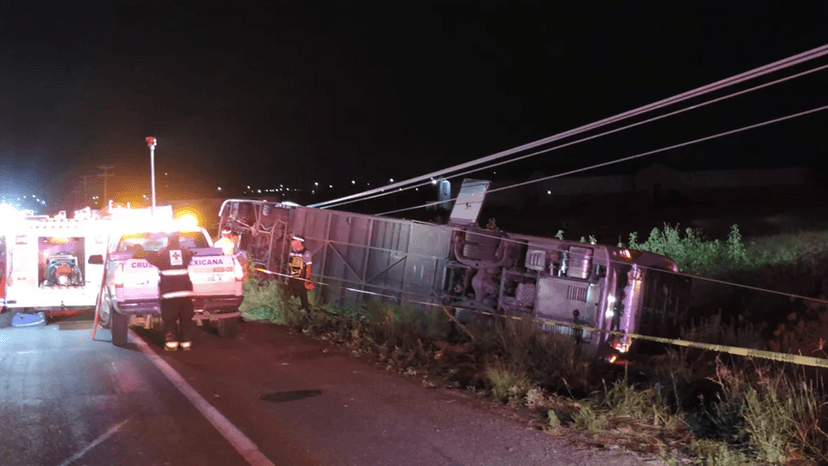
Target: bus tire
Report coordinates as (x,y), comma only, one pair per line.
(227,328)
(120,328)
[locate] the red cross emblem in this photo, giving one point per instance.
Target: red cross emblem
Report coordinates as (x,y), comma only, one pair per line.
(176,255)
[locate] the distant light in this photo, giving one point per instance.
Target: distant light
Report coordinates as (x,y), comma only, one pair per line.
(391,180)
(33,195)
(166,173)
(433,181)
(495,173)
(313,192)
(260,191)
(330,186)
(548,192)
(219,188)
(248,187)
(416,189)
(353,182)
(315,183)
(369,184)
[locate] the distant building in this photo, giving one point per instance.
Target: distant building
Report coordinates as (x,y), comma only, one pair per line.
(654,184)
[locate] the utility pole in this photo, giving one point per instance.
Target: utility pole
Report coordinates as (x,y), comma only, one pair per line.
(151,142)
(105,176)
(85,188)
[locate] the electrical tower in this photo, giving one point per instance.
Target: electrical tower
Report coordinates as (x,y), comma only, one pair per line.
(106,176)
(85,188)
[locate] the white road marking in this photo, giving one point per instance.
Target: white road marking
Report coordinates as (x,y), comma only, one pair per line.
(240,442)
(95,443)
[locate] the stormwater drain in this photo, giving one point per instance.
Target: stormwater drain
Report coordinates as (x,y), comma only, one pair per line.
(293,395)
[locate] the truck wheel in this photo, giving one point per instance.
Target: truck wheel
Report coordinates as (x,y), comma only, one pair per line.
(105,316)
(120,328)
(6,318)
(227,328)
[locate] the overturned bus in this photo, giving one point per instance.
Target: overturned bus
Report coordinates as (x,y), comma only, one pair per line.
(470,269)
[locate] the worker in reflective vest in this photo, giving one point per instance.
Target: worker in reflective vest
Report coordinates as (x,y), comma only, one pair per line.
(175,290)
(226,243)
(299,269)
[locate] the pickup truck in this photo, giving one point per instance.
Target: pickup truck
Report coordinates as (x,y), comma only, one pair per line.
(129,291)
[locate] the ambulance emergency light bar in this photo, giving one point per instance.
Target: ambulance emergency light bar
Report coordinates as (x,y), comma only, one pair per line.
(10,214)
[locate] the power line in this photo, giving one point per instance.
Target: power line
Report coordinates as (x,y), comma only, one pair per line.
(770,68)
(625,159)
(595,136)
(85,187)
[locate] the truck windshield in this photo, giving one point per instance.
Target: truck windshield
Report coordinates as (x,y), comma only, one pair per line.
(156,241)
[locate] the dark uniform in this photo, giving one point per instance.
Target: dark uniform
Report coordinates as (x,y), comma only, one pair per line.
(175,290)
(299,262)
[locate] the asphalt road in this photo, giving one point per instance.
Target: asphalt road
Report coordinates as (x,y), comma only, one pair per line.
(65,399)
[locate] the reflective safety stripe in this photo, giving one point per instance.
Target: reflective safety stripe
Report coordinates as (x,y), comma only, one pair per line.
(177,294)
(172,272)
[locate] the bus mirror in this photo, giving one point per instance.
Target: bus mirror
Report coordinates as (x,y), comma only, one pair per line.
(96,259)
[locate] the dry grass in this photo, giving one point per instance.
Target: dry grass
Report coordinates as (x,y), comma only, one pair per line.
(732,413)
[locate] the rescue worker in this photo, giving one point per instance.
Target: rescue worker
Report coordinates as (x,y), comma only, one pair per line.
(175,290)
(299,269)
(226,243)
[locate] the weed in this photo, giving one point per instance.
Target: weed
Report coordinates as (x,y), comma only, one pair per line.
(554,421)
(715,331)
(715,453)
(588,419)
(508,386)
(535,398)
(779,419)
(623,399)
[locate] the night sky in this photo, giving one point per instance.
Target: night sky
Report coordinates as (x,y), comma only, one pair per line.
(264,95)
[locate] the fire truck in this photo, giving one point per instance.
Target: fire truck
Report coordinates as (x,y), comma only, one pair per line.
(45,259)
(45,267)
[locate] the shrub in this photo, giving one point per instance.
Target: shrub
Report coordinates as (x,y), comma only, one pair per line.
(507,386)
(692,252)
(265,300)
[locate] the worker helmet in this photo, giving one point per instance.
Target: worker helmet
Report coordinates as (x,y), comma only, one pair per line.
(298,238)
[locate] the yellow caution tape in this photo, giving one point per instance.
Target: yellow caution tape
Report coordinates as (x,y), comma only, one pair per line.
(735,350)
